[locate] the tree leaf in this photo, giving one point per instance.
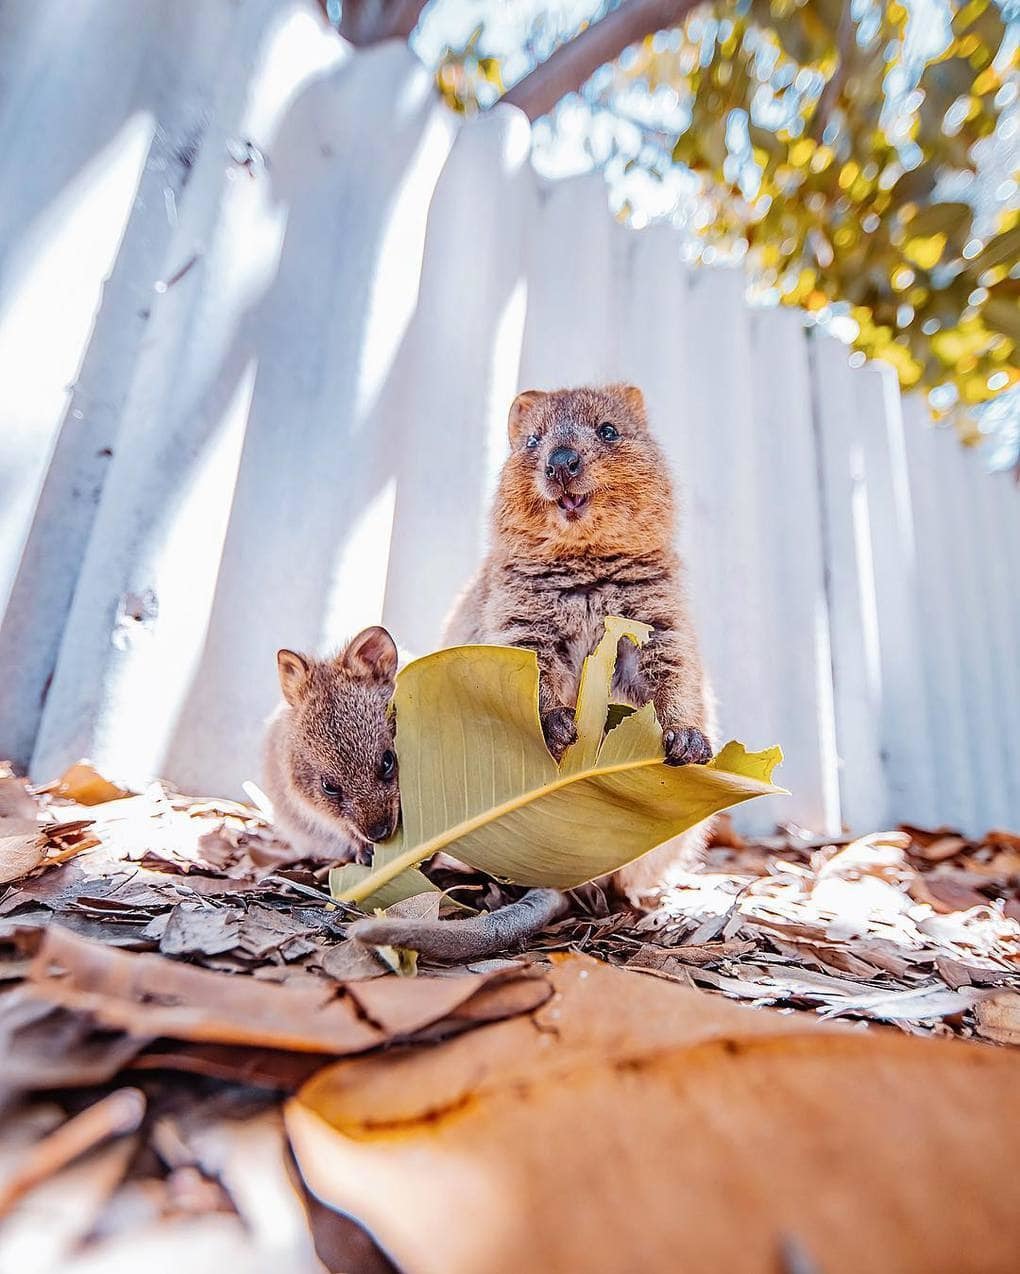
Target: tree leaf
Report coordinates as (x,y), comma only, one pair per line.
(409,884)
(636,1125)
(478,780)
(593,693)
(19,854)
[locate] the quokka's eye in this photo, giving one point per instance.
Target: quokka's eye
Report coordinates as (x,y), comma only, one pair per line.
(532,442)
(387,765)
(329,787)
(608,432)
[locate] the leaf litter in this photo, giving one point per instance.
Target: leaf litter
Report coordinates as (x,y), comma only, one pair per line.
(177,945)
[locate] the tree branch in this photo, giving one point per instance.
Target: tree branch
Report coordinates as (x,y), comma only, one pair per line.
(403,18)
(845,43)
(578,59)
(366,22)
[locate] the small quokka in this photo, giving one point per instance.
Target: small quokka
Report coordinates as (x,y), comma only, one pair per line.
(329,765)
(583,527)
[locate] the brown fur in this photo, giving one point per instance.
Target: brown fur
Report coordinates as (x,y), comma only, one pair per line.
(553,575)
(334,725)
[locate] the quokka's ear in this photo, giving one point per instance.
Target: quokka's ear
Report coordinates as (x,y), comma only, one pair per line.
(371,656)
(520,410)
(634,399)
(293,669)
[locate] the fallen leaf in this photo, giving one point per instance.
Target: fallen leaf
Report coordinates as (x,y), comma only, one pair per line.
(84,784)
(149,995)
(945,894)
(16,801)
(1000,837)
(998,1017)
(192,928)
(648,1126)
(45,1046)
(940,849)
(275,1069)
(925,836)
(19,854)
(351,960)
(673,959)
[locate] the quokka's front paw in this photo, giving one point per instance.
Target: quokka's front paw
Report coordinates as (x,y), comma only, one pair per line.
(686,745)
(559,730)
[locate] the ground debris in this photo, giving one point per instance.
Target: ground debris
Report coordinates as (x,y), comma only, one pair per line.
(879,928)
(177,946)
(648,1126)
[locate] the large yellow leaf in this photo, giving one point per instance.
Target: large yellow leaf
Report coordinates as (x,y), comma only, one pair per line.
(477,779)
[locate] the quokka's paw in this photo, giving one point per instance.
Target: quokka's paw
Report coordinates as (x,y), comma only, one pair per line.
(559,730)
(686,745)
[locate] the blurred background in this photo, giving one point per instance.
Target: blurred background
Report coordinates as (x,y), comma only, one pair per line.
(271,273)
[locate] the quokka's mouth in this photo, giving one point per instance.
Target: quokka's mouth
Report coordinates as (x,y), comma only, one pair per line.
(573,505)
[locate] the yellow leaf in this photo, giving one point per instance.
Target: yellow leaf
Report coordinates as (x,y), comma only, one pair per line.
(409,884)
(925,252)
(477,779)
(848,174)
(84,784)
(593,695)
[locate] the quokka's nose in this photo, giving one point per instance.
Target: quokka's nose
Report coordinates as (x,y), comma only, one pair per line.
(563,463)
(380,830)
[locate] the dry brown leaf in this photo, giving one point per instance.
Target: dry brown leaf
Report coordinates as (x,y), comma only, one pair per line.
(670,960)
(925,836)
(46,1046)
(149,995)
(19,854)
(723,835)
(193,928)
(945,895)
(198,928)
(646,1126)
(273,1069)
(352,960)
(1000,837)
(940,849)
(999,1017)
(85,785)
(16,801)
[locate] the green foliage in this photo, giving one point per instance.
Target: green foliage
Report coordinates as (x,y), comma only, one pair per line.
(843,202)
(466,78)
(841,161)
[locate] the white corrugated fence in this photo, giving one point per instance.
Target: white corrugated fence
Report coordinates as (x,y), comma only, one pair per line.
(263,305)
